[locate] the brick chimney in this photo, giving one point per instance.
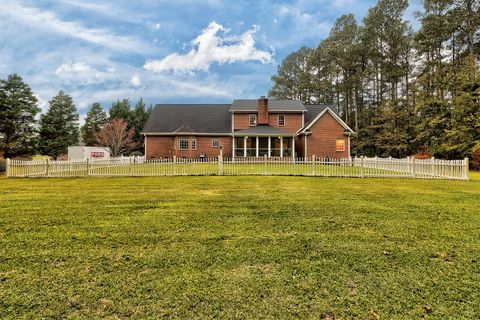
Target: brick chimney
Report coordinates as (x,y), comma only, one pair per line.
(262,110)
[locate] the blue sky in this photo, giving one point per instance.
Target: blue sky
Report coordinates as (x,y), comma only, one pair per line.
(182,51)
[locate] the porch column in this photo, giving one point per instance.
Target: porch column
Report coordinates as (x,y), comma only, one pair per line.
(233,147)
(293,148)
(281,147)
(256,147)
(269,146)
(245,146)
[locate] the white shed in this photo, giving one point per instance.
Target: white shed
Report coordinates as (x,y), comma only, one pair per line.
(79,153)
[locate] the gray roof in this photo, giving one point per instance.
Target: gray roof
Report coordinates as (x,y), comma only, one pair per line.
(314,109)
(186,118)
(216,118)
(263,129)
(251,105)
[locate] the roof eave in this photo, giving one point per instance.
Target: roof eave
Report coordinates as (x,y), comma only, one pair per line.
(186,134)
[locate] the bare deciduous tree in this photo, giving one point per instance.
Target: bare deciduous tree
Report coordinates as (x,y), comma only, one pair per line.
(116,136)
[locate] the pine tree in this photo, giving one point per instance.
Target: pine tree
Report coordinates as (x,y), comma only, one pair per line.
(18,108)
(58,127)
(293,79)
(139,117)
(121,110)
(95,120)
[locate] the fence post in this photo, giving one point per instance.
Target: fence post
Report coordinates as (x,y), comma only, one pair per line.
(174,165)
(130,166)
(314,172)
(47,167)
(220,162)
(7,168)
(466,168)
(362,167)
(88,166)
(413,167)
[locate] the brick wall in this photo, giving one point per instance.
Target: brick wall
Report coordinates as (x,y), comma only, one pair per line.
(167,147)
(293,121)
(299,146)
(262,111)
(240,121)
(159,147)
(322,141)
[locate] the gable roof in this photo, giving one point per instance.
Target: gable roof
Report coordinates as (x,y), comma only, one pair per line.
(314,110)
(189,118)
(318,115)
(251,105)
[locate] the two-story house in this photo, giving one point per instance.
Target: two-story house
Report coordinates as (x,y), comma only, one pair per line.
(246,128)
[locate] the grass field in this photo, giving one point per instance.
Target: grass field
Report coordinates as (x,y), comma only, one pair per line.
(239,247)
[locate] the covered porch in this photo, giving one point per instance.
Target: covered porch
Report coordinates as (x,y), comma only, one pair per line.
(263,140)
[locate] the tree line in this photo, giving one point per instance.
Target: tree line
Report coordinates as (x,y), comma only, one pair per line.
(403,92)
(58,128)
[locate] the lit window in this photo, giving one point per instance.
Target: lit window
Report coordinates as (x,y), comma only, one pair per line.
(216,143)
(340,145)
(183,144)
(194,144)
(281,119)
(252,120)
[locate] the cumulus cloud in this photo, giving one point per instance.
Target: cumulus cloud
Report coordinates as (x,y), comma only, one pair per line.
(135,81)
(82,72)
(210,47)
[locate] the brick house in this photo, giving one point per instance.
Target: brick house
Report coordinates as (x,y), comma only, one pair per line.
(246,128)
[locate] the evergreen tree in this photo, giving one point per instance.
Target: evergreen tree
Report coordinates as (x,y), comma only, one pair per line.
(403,92)
(58,127)
(121,110)
(18,108)
(95,120)
(293,79)
(139,117)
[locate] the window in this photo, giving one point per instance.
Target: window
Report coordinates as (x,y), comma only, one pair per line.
(252,120)
(340,145)
(281,119)
(216,143)
(183,144)
(194,144)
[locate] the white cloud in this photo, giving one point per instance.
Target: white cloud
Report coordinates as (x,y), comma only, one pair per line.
(82,73)
(135,81)
(210,48)
(49,21)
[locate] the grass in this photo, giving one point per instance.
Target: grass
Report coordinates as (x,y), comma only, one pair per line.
(239,247)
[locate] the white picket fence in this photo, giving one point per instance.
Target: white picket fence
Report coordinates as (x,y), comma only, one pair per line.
(312,166)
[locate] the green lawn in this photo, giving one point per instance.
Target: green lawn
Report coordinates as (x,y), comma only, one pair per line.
(239,247)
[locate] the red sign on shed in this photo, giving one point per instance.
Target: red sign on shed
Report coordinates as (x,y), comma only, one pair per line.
(97,154)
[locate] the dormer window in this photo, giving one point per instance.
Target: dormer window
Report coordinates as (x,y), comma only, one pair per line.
(252,120)
(281,120)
